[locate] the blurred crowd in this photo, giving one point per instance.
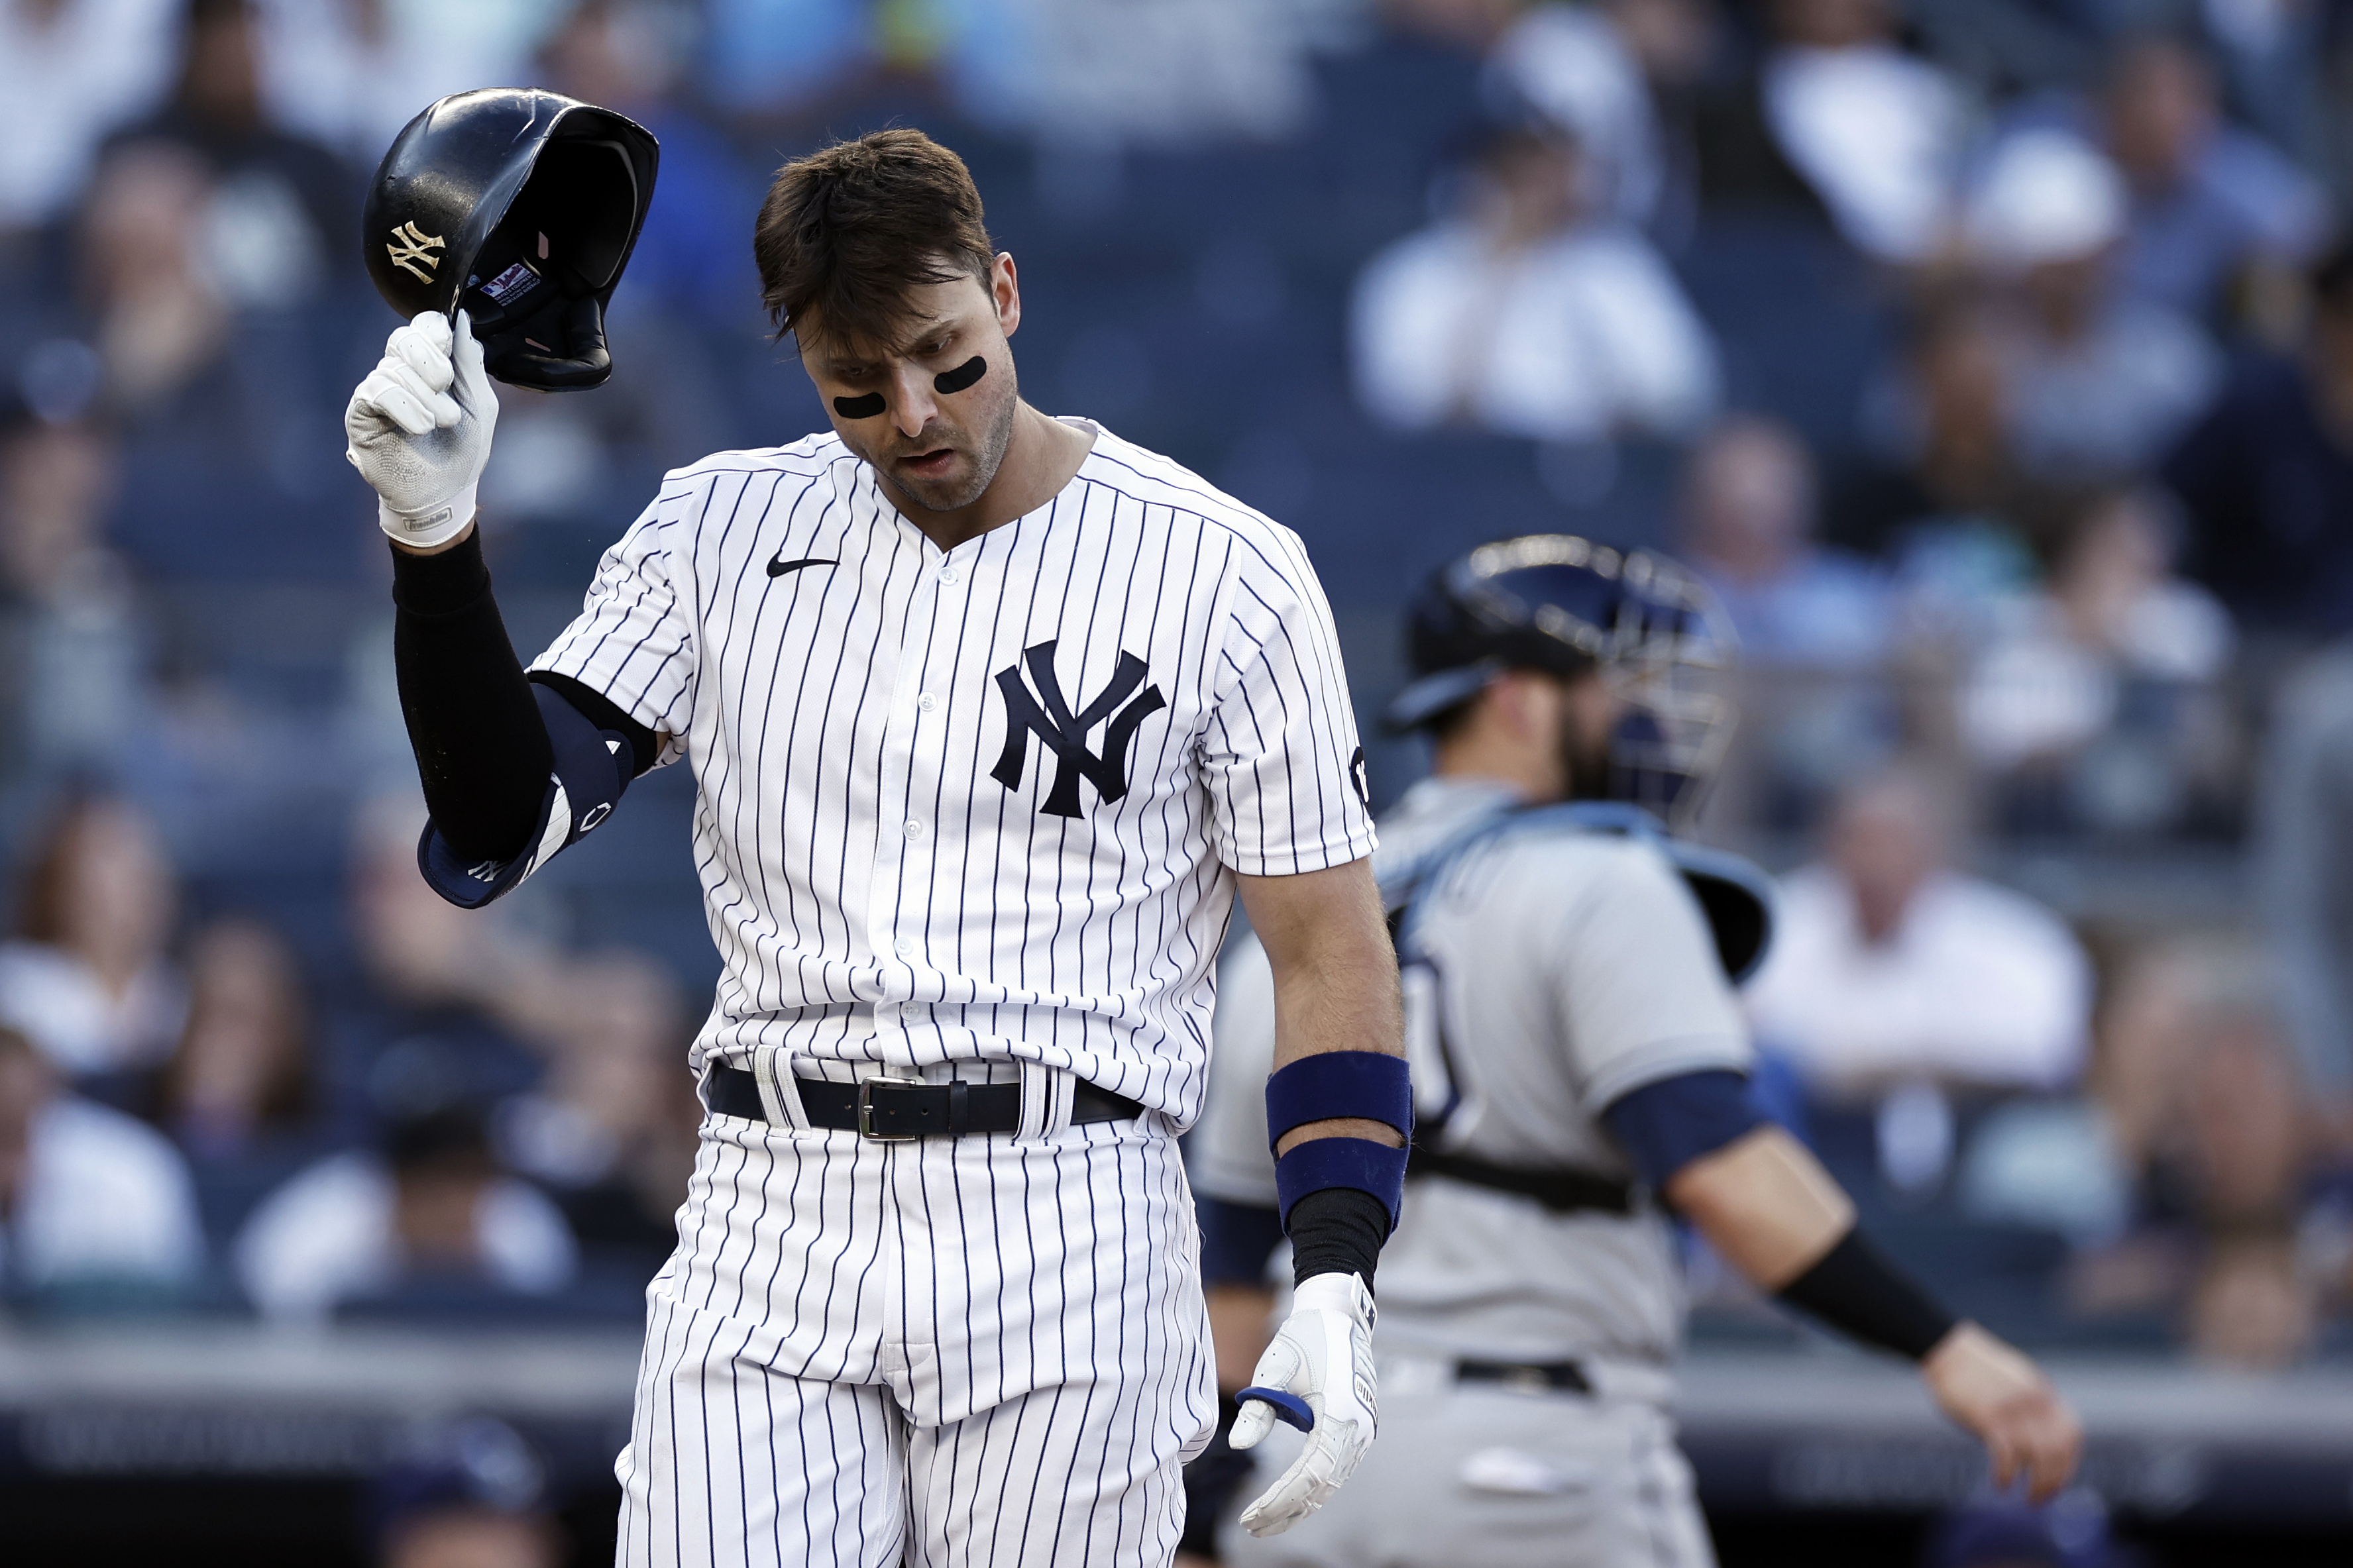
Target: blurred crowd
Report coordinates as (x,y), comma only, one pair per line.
(1992,359)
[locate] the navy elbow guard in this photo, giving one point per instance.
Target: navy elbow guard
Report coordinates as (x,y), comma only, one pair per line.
(1364,1085)
(592,768)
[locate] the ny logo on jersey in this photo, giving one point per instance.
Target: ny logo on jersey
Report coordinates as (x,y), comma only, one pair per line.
(1049,717)
(412,246)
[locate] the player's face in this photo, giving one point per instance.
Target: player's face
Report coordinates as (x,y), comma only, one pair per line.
(932,422)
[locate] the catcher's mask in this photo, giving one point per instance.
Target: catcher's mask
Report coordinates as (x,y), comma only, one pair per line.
(521,208)
(1557,603)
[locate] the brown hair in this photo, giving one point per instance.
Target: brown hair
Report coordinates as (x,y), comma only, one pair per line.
(287,1094)
(43,890)
(850,229)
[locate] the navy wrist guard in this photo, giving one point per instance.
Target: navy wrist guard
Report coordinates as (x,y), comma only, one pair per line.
(1365,1085)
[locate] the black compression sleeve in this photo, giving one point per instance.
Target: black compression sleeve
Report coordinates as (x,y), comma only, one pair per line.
(1856,1289)
(481,747)
(1337,1230)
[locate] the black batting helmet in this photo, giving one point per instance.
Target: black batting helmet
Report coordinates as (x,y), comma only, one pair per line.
(522,206)
(1563,604)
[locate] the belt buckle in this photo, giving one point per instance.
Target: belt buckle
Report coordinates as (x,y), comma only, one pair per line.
(866,1108)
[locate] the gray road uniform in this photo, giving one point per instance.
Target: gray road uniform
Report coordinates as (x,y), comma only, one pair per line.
(1524,1353)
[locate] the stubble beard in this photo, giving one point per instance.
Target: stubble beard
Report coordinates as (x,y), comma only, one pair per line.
(1585,762)
(988,457)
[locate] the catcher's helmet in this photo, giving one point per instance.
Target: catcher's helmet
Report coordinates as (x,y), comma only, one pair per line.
(522,206)
(1557,603)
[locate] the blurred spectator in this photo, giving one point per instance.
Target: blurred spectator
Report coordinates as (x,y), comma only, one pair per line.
(86,978)
(431,1208)
(276,221)
(1522,315)
(2099,689)
(2080,1166)
(2250,1153)
(157,312)
(241,1075)
(1153,71)
(691,259)
(2096,384)
(452,1005)
(1838,119)
(2208,199)
(92,1204)
(2267,477)
(1748,528)
(2187,1173)
(1590,71)
(73,648)
(70,70)
(470,1496)
(1890,968)
(771,56)
(1939,434)
(351,73)
(2278,65)
(2303,870)
(612,1129)
(241,1096)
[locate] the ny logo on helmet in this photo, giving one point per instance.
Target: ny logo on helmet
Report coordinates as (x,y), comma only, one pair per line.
(411,251)
(1049,717)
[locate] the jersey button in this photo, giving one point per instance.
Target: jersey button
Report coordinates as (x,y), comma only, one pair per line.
(914,829)
(950,574)
(927,702)
(905,948)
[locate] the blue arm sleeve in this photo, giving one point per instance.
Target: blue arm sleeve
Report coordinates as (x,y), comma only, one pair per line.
(1236,1240)
(1666,1125)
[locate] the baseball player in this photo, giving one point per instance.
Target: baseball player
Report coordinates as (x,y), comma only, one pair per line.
(992,715)
(1579,1070)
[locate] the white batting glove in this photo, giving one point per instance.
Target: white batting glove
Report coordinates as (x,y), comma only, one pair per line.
(1322,1360)
(419,428)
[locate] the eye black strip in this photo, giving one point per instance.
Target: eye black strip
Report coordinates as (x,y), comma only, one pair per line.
(865,407)
(964,375)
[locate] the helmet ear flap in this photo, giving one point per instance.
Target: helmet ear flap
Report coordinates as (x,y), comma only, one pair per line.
(558,348)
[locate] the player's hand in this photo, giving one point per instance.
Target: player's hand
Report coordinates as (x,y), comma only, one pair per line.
(1322,1360)
(2003,1400)
(419,428)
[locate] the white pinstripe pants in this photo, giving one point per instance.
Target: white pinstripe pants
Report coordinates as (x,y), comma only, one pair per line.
(977,1351)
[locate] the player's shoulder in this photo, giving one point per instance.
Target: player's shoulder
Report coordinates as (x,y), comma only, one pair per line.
(1574,862)
(708,490)
(1194,503)
(813,455)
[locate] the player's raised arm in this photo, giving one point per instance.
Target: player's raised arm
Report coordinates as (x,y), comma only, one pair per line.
(513,769)
(497,225)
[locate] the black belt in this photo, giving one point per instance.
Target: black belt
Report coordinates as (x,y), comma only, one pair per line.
(1562,1192)
(1531,1377)
(892,1111)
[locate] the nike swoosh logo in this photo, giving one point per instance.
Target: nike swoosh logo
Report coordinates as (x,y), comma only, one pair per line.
(778,568)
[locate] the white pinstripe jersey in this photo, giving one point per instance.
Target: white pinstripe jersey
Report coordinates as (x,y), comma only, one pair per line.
(897,865)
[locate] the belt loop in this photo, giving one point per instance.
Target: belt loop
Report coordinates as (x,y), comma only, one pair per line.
(959,1107)
(1045,1103)
(778,1098)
